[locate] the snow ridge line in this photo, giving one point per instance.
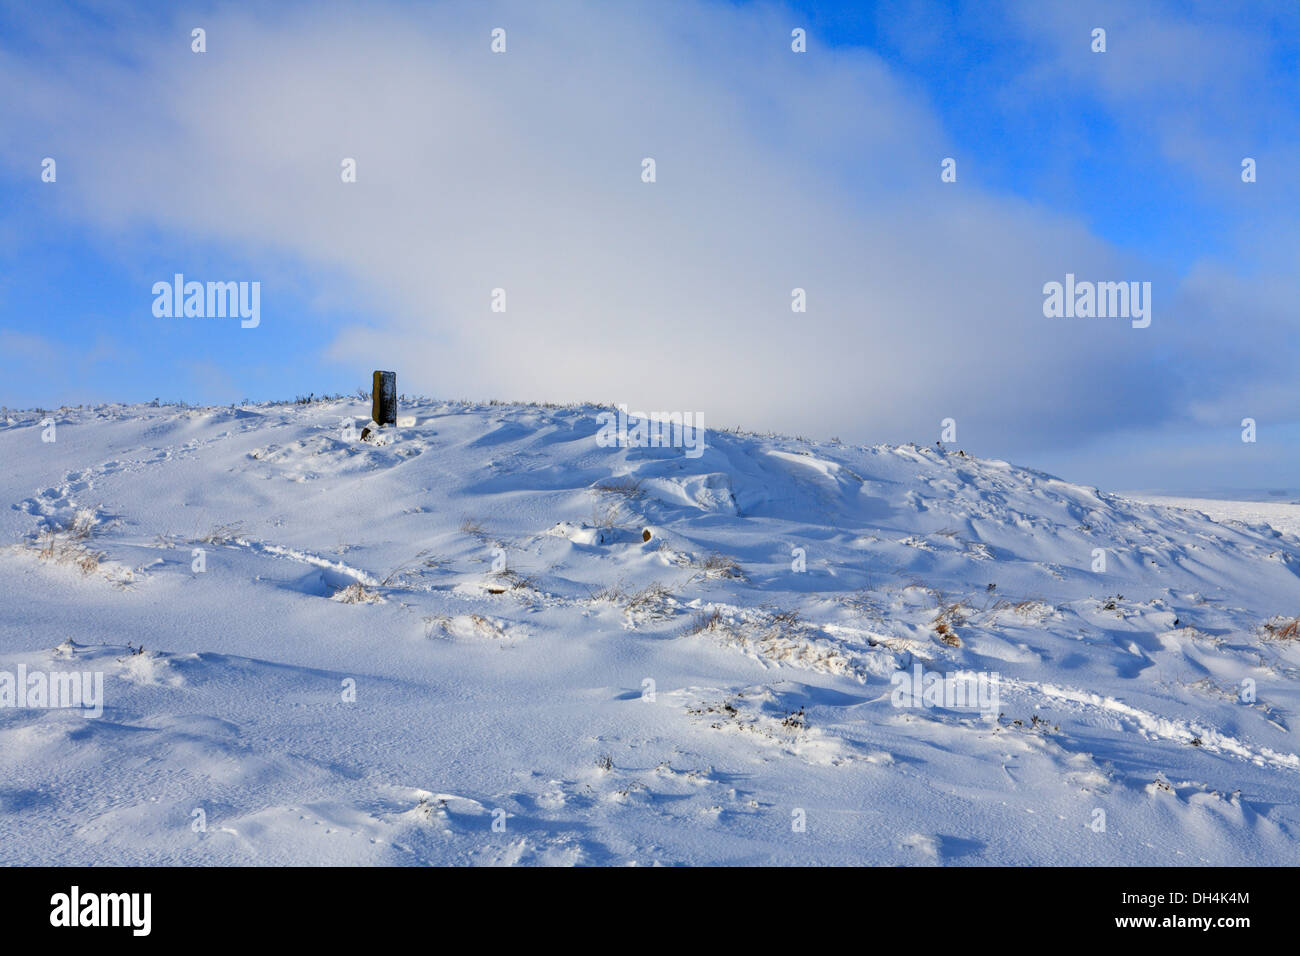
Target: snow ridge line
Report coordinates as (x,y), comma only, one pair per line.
(304,557)
(1164,727)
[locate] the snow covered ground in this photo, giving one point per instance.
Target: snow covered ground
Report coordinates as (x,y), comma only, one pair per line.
(458,647)
(1283,515)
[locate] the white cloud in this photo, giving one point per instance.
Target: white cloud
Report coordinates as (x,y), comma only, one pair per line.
(521,171)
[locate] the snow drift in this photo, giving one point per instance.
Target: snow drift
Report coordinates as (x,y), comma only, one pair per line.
(492,640)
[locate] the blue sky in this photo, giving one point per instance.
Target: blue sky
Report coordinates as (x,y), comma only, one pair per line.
(775,170)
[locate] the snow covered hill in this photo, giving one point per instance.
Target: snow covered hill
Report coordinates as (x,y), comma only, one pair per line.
(492,640)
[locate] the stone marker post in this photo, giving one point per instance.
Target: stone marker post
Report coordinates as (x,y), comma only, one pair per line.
(383,398)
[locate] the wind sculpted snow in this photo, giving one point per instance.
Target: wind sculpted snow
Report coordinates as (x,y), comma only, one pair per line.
(490,640)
